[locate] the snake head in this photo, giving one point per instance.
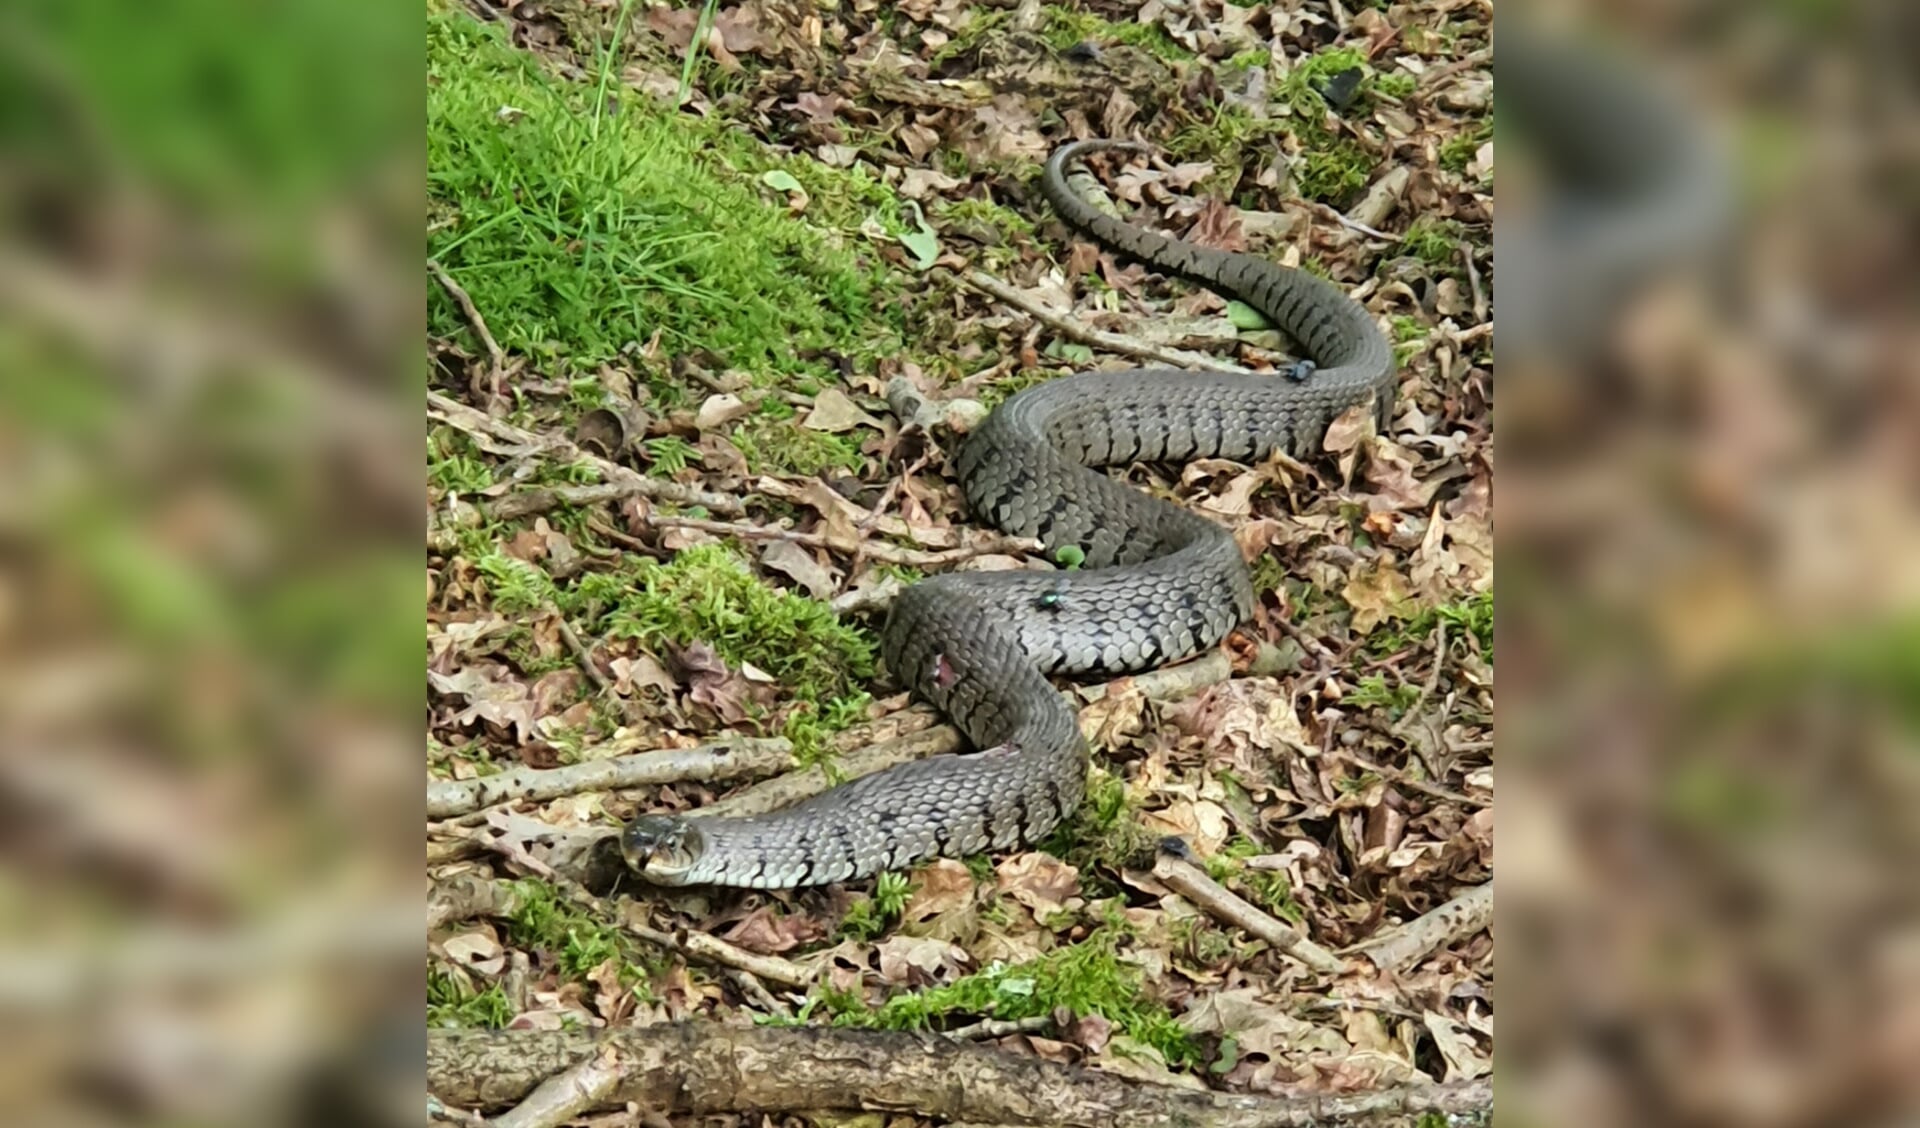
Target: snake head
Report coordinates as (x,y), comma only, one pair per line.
(661,848)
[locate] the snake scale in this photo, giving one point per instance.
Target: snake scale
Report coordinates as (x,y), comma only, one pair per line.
(1157,583)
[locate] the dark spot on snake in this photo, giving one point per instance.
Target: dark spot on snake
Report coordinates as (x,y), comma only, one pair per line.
(1049,601)
(843,837)
(1058,809)
(806,874)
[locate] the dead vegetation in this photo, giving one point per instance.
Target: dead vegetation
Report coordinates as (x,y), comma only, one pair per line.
(684,254)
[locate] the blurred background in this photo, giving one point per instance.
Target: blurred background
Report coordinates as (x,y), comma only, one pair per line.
(1711,813)
(210,596)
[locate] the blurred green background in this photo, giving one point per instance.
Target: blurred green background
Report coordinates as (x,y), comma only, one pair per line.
(210,314)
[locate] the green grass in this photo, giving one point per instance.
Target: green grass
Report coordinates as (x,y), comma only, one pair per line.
(584,220)
(1087,978)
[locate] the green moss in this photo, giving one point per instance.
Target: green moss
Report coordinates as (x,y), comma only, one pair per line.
(1374,692)
(1103,832)
(1063,28)
(1457,151)
(451,1002)
(1474,614)
(1435,242)
(454,467)
(583,220)
(773,446)
(1396,85)
(1265,888)
(707,594)
(574,943)
(1087,978)
(1268,573)
(868,917)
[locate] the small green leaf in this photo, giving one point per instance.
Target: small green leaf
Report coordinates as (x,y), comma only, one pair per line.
(1070,556)
(1070,352)
(1245,316)
(780,180)
(924,244)
(1229,1056)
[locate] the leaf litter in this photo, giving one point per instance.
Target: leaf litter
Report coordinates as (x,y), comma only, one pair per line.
(1358,554)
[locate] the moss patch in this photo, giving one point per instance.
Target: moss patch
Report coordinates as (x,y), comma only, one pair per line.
(583,219)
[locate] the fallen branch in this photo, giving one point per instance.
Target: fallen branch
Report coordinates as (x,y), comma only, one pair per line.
(1112,342)
(704,1068)
(877,550)
(727,759)
(476,422)
(540,499)
(1379,202)
(1407,945)
(569,1094)
(1172,867)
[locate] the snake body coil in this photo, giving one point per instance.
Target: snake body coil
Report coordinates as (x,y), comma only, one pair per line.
(1158,583)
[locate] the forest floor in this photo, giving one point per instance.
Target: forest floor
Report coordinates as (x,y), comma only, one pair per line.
(680,254)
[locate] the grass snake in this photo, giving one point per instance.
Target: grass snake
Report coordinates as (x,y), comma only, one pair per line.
(1156,584)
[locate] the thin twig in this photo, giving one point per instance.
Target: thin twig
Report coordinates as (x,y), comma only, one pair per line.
(476,422)
(1433,677)
(1172,867)
(1000,1028)
(723,759)
(881,551)
(1404,780)
(1473,282)
(580,653)
(1101,338)
(459,294)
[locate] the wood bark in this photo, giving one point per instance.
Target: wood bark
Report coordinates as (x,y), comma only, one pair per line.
(702,1067)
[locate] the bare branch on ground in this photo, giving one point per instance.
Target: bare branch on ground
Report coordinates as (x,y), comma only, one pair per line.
(1179,874)
(476,422)
(704,1067)
(723,759)
(1407,945)
(460,296)
(1113,342)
